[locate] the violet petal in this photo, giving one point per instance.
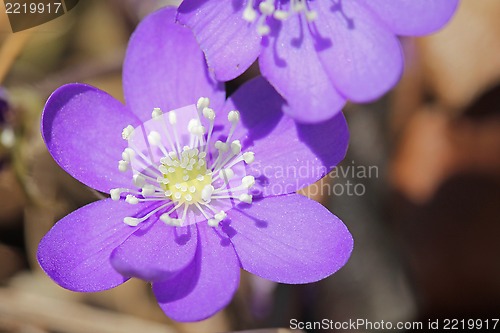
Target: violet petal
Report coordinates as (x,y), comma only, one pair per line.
(207,285)
(230,43)
(156,252)
(165,68)
(82,128)
(75,252)
(289,239)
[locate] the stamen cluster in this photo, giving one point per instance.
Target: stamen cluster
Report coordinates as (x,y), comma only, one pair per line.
(273,8)
(192,179)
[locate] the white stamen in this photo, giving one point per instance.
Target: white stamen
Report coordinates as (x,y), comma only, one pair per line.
(148,190)
(280,15)
(133,200)
(132,221)
(172,117)
(267,7)
(154,138)
(128,154)
(249,14)
(220,215)
(123,165)
(170,221)
(311,15)
(236,147)
(209,113)
(249,157)
(139,180)
(206,193)
(233,116)
(203,102)
(222,146)
(248,181)
(246,198)
(115,193)
(127,132)
(156,114)
(226,174)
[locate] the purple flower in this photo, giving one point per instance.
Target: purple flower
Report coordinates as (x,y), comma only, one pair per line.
(316,53)
(196,193)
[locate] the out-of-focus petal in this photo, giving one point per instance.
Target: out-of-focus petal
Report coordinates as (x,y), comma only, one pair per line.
(207,285)
(289,239)
(75,252)
(288,156)
(230,43)
(413,18)
(165,68)
(82,127)
(290,62)
(364,60)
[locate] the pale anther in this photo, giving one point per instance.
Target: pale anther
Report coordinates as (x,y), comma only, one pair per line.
(139,180)
(154,138)
(248,181)
(203,102)
(226,174)
(172,117)
(209,113)
(127,132)
(131,221)
(246,198)
(233,116)
(115,193)
(236,147)
(123,165)
(131,199)
(156,114)
(248,157)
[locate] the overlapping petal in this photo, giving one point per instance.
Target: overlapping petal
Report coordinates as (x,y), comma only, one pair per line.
(290,62)
(289,239)
(288,156)
(230,43)
(207,285)
(165,68)
(75,252)
(156,252)
(413,18)
(364,60)
(82,128)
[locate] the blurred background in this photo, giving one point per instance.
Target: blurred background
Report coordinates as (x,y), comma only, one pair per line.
(426,219)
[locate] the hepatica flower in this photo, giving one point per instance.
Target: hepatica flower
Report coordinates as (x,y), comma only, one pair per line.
(199,186)
(316,53)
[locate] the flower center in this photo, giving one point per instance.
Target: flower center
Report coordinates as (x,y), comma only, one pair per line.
(175,162)
(277,9)
(184,179)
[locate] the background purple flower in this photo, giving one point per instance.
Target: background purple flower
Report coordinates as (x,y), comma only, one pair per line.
(194,269)
(317,54)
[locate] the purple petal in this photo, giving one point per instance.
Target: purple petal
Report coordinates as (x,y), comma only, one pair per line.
(288,156)
(207,285)
(75,252)
(290,62)
(230,43)
(165,68)
(413,18)
(82,127)
(156,252)
(360,55)
(289,239)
